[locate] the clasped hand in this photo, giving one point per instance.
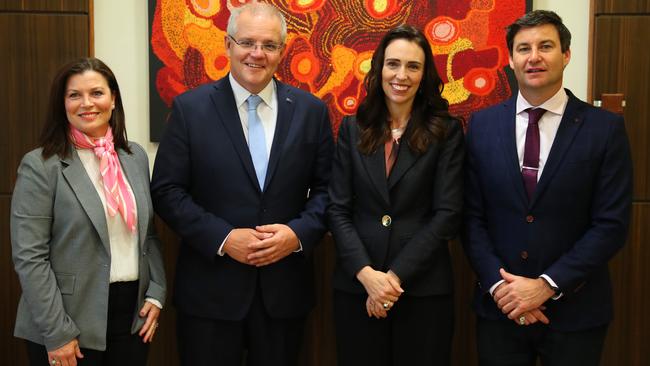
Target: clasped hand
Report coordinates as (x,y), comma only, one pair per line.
(520,296)
(261,246)
(382,288)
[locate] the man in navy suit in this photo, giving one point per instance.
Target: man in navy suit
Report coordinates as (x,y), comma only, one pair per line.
(548,201)
(241,175)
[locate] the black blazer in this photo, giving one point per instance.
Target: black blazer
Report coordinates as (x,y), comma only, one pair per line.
(576,221)
(204,185)
(423,198)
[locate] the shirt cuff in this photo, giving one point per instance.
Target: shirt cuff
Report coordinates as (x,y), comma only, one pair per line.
(220,252)
(553,285)
(154,301)
(494,287)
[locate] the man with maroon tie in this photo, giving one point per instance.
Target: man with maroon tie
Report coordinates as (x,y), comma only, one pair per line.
(548,196)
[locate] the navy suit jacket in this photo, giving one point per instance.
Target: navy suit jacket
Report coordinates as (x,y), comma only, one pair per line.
(204,185)
(575,222)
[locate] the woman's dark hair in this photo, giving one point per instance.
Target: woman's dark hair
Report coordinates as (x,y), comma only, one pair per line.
(429,109)
(54,137)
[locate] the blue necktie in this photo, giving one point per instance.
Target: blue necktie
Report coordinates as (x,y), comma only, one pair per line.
(256,139)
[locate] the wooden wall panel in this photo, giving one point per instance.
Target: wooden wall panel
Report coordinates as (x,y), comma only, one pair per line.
(464,351)
(319,347)
(622,6)
(621,65)
(33,46)
(627,339)
(36,45)
(70,6)
(164,351)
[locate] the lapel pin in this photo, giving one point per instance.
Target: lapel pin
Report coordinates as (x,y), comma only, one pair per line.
(289,100)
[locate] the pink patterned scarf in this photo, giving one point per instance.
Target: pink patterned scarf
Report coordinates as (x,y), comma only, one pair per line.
(117,194)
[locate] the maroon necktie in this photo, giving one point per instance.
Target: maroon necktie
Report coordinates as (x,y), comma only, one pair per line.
(531,151)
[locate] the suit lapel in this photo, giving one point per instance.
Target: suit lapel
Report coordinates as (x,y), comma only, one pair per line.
(76,176)
(136,181)
(569,126)
(376,167)
(226,110)
(507,141)
(286,107)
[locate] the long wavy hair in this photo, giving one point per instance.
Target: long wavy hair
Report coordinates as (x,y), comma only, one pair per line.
(55,138)
(429,109)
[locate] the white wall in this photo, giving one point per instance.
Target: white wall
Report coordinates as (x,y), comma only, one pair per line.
(575,15)
(121,40)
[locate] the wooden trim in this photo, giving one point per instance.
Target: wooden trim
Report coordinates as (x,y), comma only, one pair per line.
(91,28)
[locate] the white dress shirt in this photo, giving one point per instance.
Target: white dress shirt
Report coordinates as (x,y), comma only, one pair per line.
(548,125)
(267,110)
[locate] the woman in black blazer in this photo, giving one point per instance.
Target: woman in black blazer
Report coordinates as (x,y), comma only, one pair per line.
(396,198)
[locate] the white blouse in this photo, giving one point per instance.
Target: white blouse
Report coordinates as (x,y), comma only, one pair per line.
(123,242)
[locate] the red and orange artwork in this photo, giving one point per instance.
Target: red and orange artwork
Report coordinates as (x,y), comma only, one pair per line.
(330,44)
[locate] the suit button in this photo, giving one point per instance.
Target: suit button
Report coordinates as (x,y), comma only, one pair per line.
(524,255)
(530,218)
(386,221)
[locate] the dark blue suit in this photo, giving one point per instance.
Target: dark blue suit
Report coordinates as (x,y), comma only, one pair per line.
(576,221)
(204,185)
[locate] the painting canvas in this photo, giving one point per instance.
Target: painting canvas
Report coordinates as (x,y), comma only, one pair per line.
(329,47)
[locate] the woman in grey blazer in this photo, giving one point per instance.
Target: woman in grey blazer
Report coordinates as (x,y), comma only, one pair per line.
(395,201)
(83,240)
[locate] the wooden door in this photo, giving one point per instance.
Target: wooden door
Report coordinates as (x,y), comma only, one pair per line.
(621,64)
(36,38)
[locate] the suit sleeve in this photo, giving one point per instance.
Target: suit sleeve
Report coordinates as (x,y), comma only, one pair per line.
(157,287)
(446,207)
(170,186)
(610,214)
(476,239)
(31,220)
(351,252)
(309,225)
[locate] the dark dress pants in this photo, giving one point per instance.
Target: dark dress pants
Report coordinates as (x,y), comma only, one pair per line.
(265,341)
(122,347)
(504,343)
(417,331)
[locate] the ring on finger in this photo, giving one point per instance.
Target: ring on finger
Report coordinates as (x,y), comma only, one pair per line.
(522,320)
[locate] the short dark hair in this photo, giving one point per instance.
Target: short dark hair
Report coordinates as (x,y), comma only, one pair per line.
(429,107)
(536,18)
(54,136)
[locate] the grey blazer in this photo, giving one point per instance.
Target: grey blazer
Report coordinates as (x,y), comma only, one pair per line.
(61,250)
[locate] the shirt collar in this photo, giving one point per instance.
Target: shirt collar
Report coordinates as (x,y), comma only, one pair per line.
(555,104)
(241,94)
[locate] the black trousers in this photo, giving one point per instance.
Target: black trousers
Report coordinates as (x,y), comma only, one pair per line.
(417,331)
(122,347)
(258,339)
(504,343)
